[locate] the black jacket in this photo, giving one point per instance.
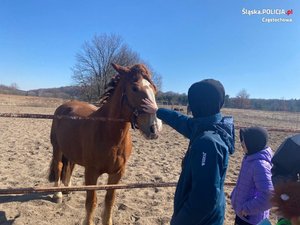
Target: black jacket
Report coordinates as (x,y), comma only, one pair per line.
(286,161)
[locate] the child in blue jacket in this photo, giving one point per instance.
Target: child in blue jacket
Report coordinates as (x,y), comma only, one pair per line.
(199,197)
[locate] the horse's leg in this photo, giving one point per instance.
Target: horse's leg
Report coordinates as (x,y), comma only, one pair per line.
(110,198)
(57,163)
(66,179)
(69,174)
(91,177)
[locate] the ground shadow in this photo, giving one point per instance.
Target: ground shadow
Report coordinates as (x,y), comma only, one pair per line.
(3,219)
(25,198)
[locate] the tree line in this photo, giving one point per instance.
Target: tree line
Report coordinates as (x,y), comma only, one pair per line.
(167,98)
(241,101)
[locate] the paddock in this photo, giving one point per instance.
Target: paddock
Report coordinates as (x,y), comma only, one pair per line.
(25,154)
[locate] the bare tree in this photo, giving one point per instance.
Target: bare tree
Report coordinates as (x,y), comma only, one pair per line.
(14,86)
(242,99)
(93,70)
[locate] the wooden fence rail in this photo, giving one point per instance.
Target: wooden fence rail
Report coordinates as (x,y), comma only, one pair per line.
(45,116)
(31,190)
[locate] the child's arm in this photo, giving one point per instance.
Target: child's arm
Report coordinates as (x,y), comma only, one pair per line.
(174,119)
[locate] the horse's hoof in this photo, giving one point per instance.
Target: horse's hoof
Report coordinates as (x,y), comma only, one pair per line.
(57,200)
(85,222)
(107,222)
(67,192)
(57,197)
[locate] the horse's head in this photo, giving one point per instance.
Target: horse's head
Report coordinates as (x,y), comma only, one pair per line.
(137,85)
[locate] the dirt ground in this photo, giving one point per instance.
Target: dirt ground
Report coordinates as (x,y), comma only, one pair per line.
(25,154)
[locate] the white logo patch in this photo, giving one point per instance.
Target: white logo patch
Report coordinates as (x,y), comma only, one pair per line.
(203,159)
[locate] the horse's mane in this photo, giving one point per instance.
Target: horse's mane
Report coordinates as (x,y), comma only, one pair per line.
(111,86)
(109,89)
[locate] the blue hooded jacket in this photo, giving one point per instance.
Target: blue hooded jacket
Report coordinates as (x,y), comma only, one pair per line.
(199,197)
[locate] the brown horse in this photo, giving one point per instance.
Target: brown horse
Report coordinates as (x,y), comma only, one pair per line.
(102,146)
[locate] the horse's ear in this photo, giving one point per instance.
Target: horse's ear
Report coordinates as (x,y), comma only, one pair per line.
(120,69)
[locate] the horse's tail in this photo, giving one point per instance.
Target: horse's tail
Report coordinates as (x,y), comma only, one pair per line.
(51,176)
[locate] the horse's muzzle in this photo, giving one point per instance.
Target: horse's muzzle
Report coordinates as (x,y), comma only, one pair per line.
(153,132)
(153,129)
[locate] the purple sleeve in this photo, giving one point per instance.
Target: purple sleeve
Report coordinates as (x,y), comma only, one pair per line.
(263,183)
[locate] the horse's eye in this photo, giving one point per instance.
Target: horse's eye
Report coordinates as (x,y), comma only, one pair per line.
(134,89)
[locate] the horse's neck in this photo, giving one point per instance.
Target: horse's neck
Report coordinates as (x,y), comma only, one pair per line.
(114,108)
(118,130)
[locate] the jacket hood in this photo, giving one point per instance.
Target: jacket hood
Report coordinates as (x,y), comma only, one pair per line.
(222,125)
(255,139)
(265,154)
(206,97)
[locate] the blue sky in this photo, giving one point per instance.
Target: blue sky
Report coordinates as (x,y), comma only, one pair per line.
(185,41)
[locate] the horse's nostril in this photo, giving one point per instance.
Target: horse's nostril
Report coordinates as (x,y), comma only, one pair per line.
(152,129)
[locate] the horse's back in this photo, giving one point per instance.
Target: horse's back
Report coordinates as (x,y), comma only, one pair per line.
(75,108)
(65,131)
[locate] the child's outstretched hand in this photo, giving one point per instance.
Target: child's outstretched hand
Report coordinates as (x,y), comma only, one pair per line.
(149,106)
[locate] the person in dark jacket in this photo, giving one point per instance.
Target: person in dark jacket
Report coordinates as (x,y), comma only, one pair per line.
(251,196)
(286,166)
(199,196)
(286,161)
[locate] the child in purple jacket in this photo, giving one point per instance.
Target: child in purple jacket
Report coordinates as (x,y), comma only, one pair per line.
(250,198)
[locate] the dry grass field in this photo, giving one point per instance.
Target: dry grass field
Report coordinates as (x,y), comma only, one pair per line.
(25,154)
